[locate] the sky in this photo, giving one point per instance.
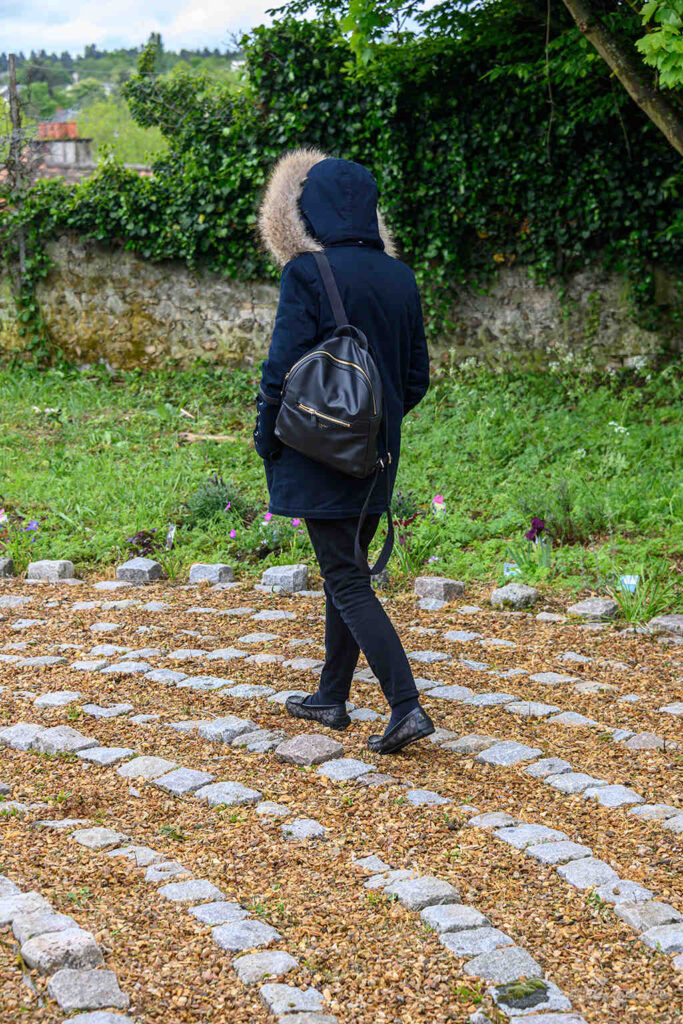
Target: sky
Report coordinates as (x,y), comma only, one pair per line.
(57,25)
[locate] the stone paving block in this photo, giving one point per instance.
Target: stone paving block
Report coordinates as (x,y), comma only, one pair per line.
(595,608)
(619,735)
(667,938)
(127,668)
(52,570)
(509,752)
(553,678)
(655,812)
(22,903)
(554,1018)
(104,627)
(343,769)
(76,989)
(20,624)
(217,572)
(146,767)
(472,743)
(27,926)
(58,699)
(62,739)
(521,836)
(548,766)
(428,604)
(257,638)
(269,809)
(648,741)
(165,870)
(282,696)
(558,853)
(143,719)
(285,999)
(454,917)
(514,595)
(182,781)
(418,893)
(100,1017)
(95,711)
(229,793)
(669,623)
(673,709)
(424,797)
(374,779)
(6,567)
(309,749)
(308,1017)
(490,700)
(531,709)
(139,570)
(254,967)
(473,941)
(474,666)
(587,873)
(288,578)
(573,719)
(42,661)
(364,715)
(371,864)
(516,1002)
(304,664)
(455,693)
(461,636)
(141,856)
(225,730)
(265,659)
(623,891)
(205,683)
(384,878)
(674,824)
(13,600)
(238,935)
(613,796)
(111,585)
(165,676)
(191,892)
(8,888)
(272,615)
(98,838)
(62,824)
(188,653)
(643,916)
(260,740)
(248,691)
(438,588)
(109,650)
(225,654)
(494,641)
(72,947)
(428,657)
(550,617)
(502,966)
(221,912)
(21,736)
(574,782)
(303,828)
(493,819)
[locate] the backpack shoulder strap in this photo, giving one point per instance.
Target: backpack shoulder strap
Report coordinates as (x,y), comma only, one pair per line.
(331,288)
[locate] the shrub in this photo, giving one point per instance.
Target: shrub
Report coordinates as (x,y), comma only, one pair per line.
(213,499)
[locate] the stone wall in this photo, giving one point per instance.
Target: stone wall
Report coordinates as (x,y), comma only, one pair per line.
(110,305)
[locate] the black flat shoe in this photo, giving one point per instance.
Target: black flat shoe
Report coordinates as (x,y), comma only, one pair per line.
(333,716)
(415,726)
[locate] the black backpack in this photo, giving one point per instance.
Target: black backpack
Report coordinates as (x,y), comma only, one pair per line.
(333,407)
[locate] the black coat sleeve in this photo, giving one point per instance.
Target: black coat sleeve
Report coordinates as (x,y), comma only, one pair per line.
(294,333)
(418,370)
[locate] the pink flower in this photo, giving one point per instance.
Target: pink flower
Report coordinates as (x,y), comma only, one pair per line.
(267,517)
(3,516)
(227,507)
(233,534)
(438,499)
(296,522)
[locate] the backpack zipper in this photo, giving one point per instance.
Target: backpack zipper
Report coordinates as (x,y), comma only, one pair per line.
(323,415)
(343,362)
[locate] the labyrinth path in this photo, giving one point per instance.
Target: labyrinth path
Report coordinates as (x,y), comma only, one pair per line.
(175,848)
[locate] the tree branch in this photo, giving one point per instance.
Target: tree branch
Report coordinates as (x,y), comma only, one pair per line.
(663,113)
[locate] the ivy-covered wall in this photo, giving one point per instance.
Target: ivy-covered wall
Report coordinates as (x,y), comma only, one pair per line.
(104,303)
(476,178)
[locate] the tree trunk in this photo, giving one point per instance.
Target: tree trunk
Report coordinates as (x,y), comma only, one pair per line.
(661,111)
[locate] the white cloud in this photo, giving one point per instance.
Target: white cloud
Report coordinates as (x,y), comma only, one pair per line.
(111,23)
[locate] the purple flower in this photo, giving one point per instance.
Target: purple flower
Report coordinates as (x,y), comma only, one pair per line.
(537,527)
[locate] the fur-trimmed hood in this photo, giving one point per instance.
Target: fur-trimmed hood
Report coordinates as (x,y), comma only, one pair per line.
(312,201)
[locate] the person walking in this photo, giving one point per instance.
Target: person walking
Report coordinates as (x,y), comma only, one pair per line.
(314,203)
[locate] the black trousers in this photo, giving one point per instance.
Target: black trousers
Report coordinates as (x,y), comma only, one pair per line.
(354,618)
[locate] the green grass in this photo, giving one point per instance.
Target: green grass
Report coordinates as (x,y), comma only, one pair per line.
(95,458)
